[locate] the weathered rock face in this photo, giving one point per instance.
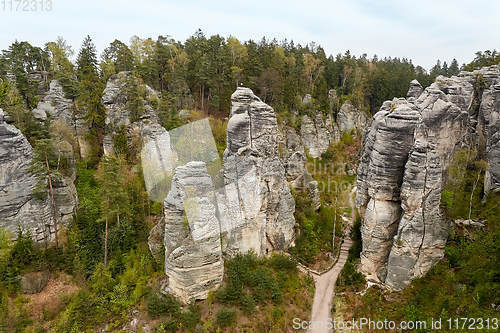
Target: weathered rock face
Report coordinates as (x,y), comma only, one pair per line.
(489,121)
(56,107)
(380,175)
(349,118)
(252,210)
(293,157)
(158,159)
(18,206)
(415,90)
(406,153)
(193,256)
(34,282)
(115,100)
(318,134)
(256,205)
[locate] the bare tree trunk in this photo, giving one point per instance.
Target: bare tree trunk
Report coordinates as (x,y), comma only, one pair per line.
(53,204)
(472,193)
(106,244)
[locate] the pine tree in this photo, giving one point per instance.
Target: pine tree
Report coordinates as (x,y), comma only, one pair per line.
(454,68)
(87,59)
(444,70)
(90,86)
(114,198)
(116,58)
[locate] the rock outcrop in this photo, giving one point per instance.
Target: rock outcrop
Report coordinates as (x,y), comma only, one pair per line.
(158,159)
(193,255)
(406,153)
(318,134)
(256,205)
(56,107)
(293,156)
(415,90)
(350,118)
(252,210)
(18,206)
(118,113)
(489,121)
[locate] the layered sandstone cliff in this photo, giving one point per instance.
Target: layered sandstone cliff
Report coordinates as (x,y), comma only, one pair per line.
(406,153)
(19,208)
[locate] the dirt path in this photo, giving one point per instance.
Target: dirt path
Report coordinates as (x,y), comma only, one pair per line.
(325,283)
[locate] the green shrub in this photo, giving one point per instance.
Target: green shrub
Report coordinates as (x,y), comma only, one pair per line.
(158,304)
(120,142)
(225,317)
(191,317)
(282,262)
(247,304)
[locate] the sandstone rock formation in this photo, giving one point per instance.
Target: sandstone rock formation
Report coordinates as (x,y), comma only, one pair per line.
(256,205)
(404,160)
(489,121)
(193,255)
(18,207)
(294,160)
(415,90)
(349,118)
(158,159)
(251,211)
(55,104)
(118,114)
(318,134)
(56,107)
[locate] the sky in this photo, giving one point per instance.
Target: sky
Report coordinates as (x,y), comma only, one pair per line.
(422,31)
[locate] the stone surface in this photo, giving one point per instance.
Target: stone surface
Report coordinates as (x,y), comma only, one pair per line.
(18,206)
(307,99)
(406,153)
(118,115)
(314,195)
(155,240)
(317,134)
(34,282)
(349,118)
(293,157)
(158,159)
(489,121)
(256,205)
(193,256)
(415,90)
(56,107)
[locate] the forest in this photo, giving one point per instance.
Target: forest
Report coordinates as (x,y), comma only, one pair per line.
(112,273)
